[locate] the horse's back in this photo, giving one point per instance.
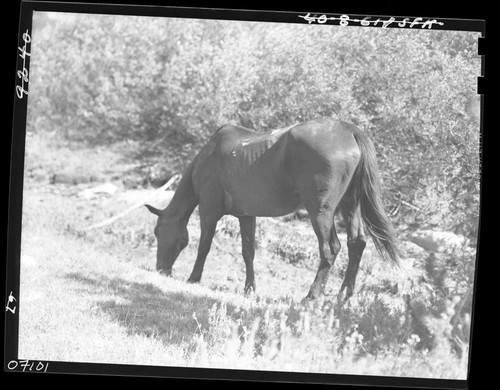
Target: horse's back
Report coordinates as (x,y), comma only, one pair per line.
(326,136)
(325,139)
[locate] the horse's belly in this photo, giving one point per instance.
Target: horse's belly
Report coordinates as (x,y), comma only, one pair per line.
(264,198)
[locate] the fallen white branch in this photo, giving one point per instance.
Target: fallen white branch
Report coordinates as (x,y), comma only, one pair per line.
(109,221)
(411,205)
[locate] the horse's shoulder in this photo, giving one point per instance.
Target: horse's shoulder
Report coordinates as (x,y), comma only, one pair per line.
(232,134)
(228,130)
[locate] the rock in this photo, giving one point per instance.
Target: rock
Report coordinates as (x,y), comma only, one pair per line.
(104,189)
(132,182)
(438,241)
(71,178)
(39,176)
(37,173)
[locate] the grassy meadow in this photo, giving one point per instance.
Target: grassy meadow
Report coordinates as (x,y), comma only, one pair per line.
(94,296)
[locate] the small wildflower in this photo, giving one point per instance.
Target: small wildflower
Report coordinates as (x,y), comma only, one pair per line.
(413,340)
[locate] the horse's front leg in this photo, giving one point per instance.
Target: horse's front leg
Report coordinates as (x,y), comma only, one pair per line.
(208,224)
(247,228)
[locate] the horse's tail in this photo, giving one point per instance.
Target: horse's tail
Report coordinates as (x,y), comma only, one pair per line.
(365,192)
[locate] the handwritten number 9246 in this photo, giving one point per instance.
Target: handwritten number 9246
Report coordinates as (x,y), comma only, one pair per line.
(23,74)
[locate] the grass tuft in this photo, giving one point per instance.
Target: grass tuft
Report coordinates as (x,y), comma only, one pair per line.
(95,296)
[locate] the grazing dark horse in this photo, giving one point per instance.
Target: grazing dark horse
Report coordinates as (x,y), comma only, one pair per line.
(322,165)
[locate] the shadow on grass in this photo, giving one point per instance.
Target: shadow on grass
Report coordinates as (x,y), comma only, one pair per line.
(144,309)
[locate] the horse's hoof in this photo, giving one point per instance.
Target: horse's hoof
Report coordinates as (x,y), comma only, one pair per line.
(311,300)
(306,302)
(249,291)
(190,280)
(311,296)
(343,296)
(165,271)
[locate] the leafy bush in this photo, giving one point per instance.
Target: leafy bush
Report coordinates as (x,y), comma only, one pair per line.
(165,84)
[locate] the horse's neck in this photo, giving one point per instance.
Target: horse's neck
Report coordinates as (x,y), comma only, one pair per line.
(183,202)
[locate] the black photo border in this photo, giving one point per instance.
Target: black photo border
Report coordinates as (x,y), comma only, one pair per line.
(11,360)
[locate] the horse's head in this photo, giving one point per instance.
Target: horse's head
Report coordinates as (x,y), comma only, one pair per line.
(172,238)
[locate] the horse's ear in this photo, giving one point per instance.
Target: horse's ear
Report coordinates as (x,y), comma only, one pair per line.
(154,210)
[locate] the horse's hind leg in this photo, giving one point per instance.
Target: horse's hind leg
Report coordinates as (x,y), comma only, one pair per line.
(329,247)
(356,243)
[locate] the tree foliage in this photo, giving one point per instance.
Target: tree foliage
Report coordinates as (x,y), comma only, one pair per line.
(167,84)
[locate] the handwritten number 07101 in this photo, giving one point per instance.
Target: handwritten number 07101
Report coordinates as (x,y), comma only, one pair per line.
(27,365)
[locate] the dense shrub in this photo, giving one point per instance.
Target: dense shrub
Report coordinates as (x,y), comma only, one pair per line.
(164,85)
